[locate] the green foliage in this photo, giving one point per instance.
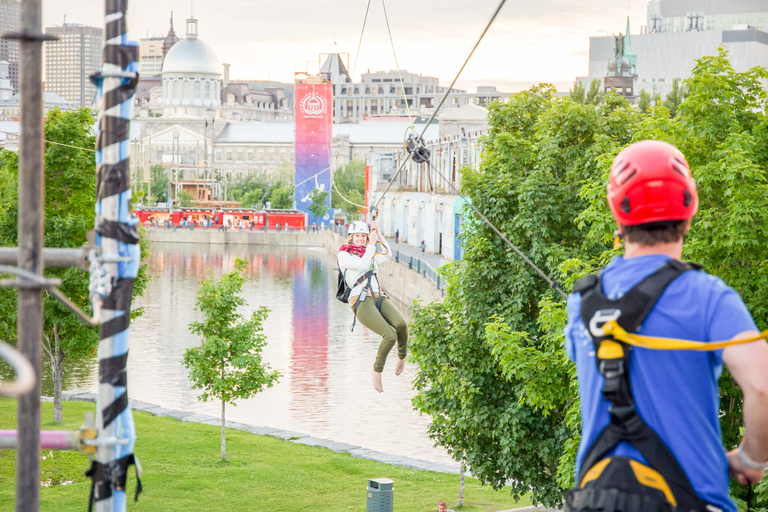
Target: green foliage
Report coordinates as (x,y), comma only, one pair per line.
(252,199)
(579,93)
(594,95)
(319,203)
(282,197)
(493,373)
(159,184)
(644,101)
(184,198)
(70,198)
(350,180)
(674,98)
(227,365)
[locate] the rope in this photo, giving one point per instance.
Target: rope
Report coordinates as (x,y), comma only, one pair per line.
(354,66)
(402,85)
(442,101)
(552,283)
(51,142)
(333,182)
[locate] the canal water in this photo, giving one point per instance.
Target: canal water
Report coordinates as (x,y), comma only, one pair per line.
(326,386)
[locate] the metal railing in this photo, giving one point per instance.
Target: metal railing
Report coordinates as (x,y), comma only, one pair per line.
(413,262)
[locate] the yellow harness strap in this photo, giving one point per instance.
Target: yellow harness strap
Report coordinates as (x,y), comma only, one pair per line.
(651,342)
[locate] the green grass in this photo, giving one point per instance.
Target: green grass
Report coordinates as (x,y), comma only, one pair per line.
(183,471)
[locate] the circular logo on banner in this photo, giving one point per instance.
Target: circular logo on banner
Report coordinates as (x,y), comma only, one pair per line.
(313,105)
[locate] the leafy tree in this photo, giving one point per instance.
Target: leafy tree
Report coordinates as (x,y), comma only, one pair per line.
(492,370)
(674,98)
(228,365)
(579,92)
(282,197)
(70,197)
(350,180)
(644,101)
(594,95)
(158,184)
(252,199)
(184,198)
(319,203)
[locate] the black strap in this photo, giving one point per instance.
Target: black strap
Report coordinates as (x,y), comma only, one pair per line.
(366,289)
(109,477)
(629,312)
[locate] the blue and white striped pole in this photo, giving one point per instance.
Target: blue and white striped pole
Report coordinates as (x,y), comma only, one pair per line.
(118,238)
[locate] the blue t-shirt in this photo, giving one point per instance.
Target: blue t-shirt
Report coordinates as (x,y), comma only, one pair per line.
(676,392)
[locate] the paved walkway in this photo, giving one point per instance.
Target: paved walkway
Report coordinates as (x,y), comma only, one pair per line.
(433,259)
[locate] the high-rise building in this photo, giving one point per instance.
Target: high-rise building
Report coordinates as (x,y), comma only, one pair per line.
(71,60)
(152,51)
(10,21)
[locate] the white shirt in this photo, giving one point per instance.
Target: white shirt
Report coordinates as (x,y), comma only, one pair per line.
(353,268)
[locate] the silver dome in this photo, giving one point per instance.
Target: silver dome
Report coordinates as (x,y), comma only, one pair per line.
(192,56)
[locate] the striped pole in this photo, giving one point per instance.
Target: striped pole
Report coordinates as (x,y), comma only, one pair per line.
(118,238)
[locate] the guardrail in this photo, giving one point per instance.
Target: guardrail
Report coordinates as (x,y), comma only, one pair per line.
(413,262)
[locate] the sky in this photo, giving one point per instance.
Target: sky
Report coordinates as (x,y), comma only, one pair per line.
(530,41)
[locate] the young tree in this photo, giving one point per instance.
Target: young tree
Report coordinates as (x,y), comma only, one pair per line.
(594,95)
(158,184)
(319,203)
(674,98)
(184,198)
(644,101)
(578,94)
(282,197)
(70,199)
(228,365)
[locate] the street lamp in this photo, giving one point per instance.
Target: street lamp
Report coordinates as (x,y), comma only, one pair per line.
(176,151)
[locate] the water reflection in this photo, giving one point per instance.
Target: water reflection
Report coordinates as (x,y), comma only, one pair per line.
(325,390)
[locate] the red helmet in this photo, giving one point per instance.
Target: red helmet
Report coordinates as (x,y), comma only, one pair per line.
(650,181)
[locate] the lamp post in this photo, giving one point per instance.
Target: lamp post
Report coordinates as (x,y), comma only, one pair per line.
(176,152)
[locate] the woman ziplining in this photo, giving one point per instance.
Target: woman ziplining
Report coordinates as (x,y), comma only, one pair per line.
(359,263)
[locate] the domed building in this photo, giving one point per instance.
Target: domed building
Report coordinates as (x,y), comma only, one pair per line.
(191,77)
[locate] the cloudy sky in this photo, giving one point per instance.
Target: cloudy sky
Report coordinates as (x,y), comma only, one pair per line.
(531,41)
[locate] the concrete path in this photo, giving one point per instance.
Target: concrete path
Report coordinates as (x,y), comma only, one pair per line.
(433,259)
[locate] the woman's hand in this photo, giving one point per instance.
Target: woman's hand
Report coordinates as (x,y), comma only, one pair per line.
(375,226)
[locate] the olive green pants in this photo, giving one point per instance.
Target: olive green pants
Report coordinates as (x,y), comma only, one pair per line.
(389,324)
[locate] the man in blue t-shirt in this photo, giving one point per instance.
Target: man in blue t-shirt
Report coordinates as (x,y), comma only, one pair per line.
(653,197)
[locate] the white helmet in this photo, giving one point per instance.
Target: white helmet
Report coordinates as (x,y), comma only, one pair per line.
(358,227)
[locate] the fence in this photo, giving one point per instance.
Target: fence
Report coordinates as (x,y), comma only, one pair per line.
(413,262)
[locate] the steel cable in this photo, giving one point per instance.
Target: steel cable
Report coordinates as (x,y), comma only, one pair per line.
(360,43)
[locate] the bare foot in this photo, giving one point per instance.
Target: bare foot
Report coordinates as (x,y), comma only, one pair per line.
(377,381)
(400,366)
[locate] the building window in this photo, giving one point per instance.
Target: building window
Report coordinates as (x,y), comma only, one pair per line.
(186,89)
(218,156)
(261,155)
(239,155)
(197,89)
(250,155)
(229,155)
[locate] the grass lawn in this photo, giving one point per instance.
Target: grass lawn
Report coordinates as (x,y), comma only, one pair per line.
(183,471)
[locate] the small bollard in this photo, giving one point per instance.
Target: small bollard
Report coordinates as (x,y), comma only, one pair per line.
(380,495)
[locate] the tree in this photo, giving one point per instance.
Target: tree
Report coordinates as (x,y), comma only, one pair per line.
(674,98)
(228,365)
(578,94)
(252,199)
(184,198)
(158,184)
(282,197)
(594,95)
(319,203)
(350,181)
(644,101)
(70,198)
(492,370)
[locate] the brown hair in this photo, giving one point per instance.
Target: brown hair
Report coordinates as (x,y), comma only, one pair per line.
(442,503)
(349,238)
(655,233)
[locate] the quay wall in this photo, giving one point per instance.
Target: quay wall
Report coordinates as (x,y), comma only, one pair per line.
(400,282)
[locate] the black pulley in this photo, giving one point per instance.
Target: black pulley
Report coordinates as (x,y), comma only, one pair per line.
(415,146)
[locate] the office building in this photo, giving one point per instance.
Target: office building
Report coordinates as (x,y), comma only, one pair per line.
(10,21)
(70,61)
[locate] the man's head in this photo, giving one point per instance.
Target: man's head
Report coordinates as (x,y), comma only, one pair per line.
(442,506)
(651,193)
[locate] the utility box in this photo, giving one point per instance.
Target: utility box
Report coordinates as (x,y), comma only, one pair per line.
(380,495)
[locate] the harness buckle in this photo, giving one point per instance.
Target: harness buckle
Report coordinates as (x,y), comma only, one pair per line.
(599,319)
(611,368)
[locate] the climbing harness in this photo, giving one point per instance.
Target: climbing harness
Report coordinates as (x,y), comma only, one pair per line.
(620,483)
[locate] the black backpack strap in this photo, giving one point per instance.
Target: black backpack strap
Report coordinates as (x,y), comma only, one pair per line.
(629,312)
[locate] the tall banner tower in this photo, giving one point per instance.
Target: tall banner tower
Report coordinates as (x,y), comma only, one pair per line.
(313,102)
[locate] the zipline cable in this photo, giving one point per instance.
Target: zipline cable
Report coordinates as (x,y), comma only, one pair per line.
(354,66)
(51,142)
(391,41)
(551,282)
(442,101)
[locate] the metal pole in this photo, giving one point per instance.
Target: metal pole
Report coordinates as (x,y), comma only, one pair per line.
(30,301)
(118,236)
